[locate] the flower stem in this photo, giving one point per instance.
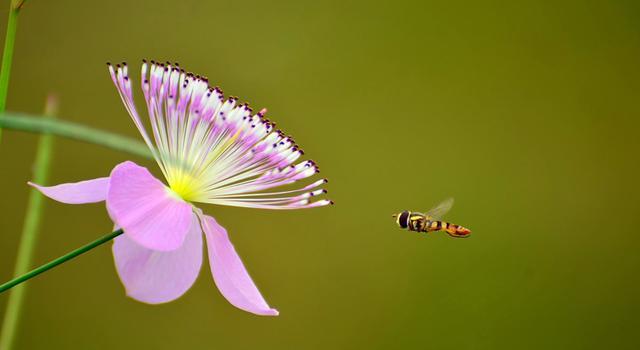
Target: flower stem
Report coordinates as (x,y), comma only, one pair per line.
(7,53)
(53,263)
(25,122)
(29,231)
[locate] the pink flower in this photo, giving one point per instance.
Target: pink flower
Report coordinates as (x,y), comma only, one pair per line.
(210,150)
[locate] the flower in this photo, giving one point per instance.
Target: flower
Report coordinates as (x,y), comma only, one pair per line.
(210,150)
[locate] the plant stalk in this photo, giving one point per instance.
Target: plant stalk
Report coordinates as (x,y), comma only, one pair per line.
(25,122)
(53,263)
(7,53)
(30,230)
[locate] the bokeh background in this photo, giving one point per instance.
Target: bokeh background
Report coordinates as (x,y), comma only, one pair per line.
(525,111)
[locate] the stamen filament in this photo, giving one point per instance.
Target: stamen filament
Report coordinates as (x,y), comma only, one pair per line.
(211,149)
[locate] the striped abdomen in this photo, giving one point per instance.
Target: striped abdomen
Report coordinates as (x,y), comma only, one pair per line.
(452,229)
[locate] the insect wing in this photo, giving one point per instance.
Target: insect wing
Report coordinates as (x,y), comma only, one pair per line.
(438,211)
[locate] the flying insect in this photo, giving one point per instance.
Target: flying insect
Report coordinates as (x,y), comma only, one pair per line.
(430,221)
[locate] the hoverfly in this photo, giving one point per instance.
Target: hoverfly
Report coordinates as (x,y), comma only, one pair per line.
(419,222)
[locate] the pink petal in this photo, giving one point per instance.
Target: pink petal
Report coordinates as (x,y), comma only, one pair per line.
(146,209)
(89,191)
(229,273)
(154,277)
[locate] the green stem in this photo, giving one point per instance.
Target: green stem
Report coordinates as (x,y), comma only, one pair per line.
(29,231)
(25,122)
(53,263)
(7,53)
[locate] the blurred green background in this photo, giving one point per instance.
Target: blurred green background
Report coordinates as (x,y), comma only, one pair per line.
(525,111)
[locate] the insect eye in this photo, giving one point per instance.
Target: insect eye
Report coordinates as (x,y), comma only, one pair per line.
(403,220)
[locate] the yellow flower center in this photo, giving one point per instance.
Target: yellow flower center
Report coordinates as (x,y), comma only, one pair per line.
(185,186)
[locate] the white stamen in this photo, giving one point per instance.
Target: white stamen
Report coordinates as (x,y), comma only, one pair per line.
(214,150)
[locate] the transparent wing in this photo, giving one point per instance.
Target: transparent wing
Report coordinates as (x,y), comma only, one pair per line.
(439,210)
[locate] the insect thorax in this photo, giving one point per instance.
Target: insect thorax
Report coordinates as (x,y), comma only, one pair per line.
(418,222)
